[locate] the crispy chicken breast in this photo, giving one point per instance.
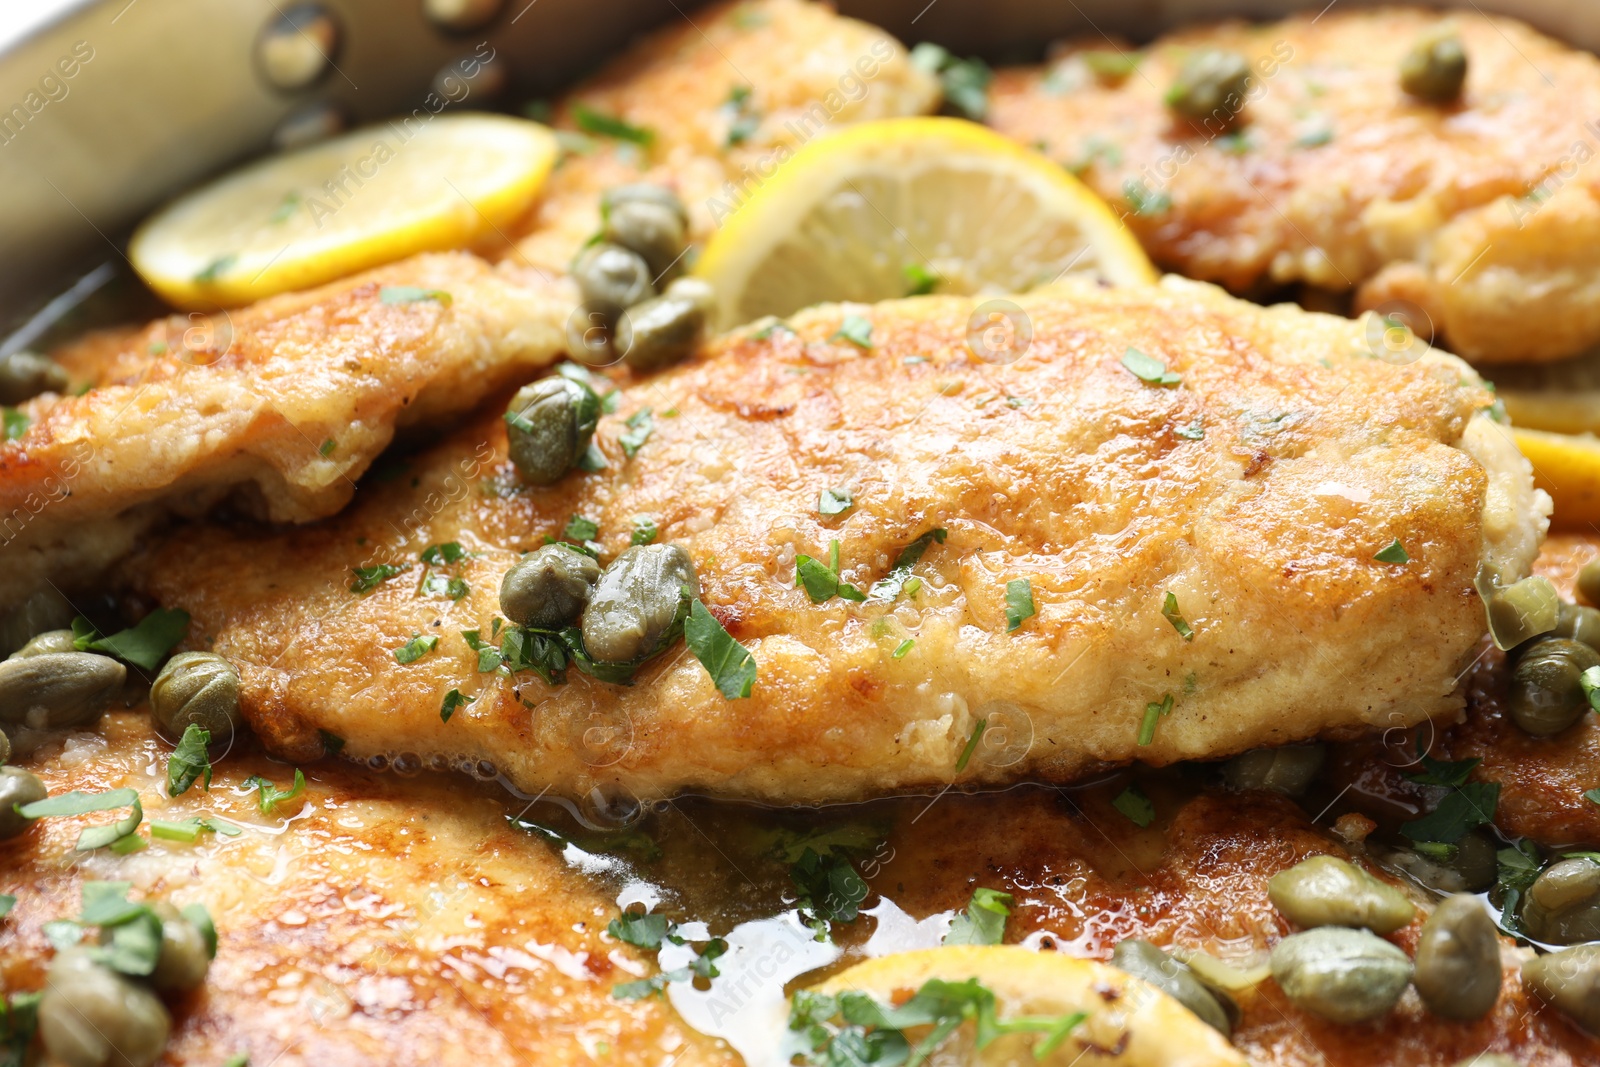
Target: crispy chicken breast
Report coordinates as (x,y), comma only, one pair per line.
(1200,556)
(1483,213)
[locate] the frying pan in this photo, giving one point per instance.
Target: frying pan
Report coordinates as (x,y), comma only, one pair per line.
(109,107)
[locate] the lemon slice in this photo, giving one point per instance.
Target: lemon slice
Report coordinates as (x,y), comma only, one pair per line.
(1128,1023)
(369,197)
(1568,468)
(892,208)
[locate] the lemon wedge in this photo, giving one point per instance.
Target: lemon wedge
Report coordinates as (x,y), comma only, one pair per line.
(1567,467)
(904,206)
(1036,995)
(369,197)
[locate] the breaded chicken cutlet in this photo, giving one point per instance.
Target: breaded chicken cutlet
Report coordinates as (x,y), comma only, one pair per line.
(1203,552)
(1481,211)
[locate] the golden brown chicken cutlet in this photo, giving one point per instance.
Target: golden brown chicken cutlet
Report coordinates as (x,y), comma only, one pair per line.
(1481,211)
(1201,557)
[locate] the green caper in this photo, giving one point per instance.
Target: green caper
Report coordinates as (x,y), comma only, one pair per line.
(1546,695)
(47,643)
(185,955)
(59,689)
(655,231)
(90,1016)
(1288,770)
(1211,85)
(697,291)
(612,278)
(1348,976)
(1329,891)
(1563,904)
(638,605)
(549,588)
(660,332)
(5,747)
(642,193)
(17,786)
(196,689)
(1570,980)
(1523,611)
(24,375)
(1435,69)
(1142,959)
(1469,868)
(549,425)
(41,611)
(1589,581)
(1458,959)
(1579,623)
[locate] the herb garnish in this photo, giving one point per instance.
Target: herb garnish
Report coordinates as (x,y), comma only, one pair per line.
(369,578)
(597,122)
(920,281)
(834,501)
(1019,603)
(213,270)
(821,580)
(1395,552)
(831,889)
(972,744)
(856,329)
(902,648)
(1466,807)
(80,803)
(189,830)
(649,932)
(1136,805)
(581,528)
(445,552)
(452,701)
(1169,608)
(1517,868)
(411,294)
(644,530)
(270,795)
(743,119)
(16,422)
(1589,682)
(899,576)
(965,82)
(730,664)
(640,425)
(415,648)
(1153,713)
(984,922)
(1148,368)
(189,761)
(144,645)
(1143,201)
(640,931)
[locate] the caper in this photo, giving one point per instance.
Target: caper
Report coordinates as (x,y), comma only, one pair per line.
(1142,959)
(1546,695)
(1470,867)
(1288,770)
(24,375)
(697,291)
(1329,891)
(612,278)
(638,605)
(5,747)
(655,231)
(57,690)
(549,425)
(1348,976)
(41,611)
(1563,904)
(660,332)
(1212,84)
(1570,980)
(90,1016)
(1523,611)
(1589,581)
(642,193)
(1458,959)
(17,786)
(1435,69)
(185,955)
(1579,623)
(47,643)
(196,689)
(549,588)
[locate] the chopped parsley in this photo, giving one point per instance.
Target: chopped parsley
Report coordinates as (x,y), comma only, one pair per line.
(1589,682)
(821,580)
(369,578)
(326,448)
(441,585)
(1442,772)
(581,528)
(599,123)
(1137,806)
(1153,714)
(270,796)
(16,422)
(730,664)
(1019,603)
(1592,795)
(1169,608)
(964,82)
(189,830)
(81,803)
(411,294)
(446,552)
(640,931)
(1195,431)
(899,577)
(1148,368)
(640,425)
(452,701)
(415,648)
(984,922)
(144,645)
(920,281)
(189,761)
(1394,553)
(856,329)
(1144,201)
(743,119)
(1466,807)
(831,889)
(834,501)
(488,655)
(902,648)
(546,654)
(644,531)
(972,744)
(1517,868)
